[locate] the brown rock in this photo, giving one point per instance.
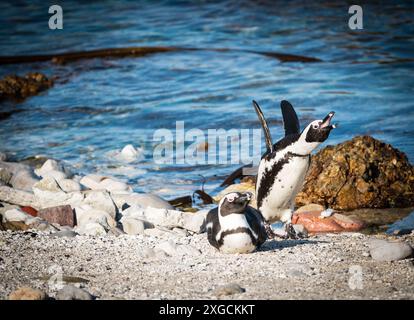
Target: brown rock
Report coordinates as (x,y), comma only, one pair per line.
(15,226)
(62,215)
(360,173)
(27,293)
(313,222)
(18,88)
(29,210)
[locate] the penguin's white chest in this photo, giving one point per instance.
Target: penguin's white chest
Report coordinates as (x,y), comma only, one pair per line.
(282,192)
(237,243)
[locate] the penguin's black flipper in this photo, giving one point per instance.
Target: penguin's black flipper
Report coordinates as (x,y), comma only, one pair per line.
(263,122)
(213,227)
(256,222)
(290,118)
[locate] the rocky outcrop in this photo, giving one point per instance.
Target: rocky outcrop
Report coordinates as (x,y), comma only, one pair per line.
(15,87)
(360,173)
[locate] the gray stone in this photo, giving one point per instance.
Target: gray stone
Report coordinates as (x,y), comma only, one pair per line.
(69,185)
(53,168)
(228,289)
(19,197)
(133,226)
(86,214)
(383,250)
(64,234)
(101,200)
(91,229)
(174,218)
(71,292)
(23,180)
(141,199)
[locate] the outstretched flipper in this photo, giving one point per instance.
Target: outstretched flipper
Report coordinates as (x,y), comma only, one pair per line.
(268,137)
(290,118)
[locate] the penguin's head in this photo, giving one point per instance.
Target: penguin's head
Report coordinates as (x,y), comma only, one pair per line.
(234,202)
(318,131)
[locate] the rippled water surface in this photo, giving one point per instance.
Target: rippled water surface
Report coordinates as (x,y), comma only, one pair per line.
(98,106)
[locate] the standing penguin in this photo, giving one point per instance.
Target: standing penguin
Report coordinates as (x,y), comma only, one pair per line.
(283,167)
(235,227)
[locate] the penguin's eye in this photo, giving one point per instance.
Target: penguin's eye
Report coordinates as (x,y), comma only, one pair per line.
(230,199)
(315,126)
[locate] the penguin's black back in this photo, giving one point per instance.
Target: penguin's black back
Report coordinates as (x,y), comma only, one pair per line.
(256,222)
(213,220)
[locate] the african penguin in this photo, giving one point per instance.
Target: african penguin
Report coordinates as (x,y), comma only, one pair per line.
(235,227)
(284,165)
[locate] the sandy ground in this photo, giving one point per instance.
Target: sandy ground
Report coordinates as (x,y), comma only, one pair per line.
(320,267)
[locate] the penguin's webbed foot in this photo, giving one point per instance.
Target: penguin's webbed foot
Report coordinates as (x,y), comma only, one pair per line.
(269,231)
(291,232)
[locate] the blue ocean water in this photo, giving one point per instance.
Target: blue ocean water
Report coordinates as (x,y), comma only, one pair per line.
(366,76)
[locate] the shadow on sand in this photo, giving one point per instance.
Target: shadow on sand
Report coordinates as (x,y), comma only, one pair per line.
(273,244)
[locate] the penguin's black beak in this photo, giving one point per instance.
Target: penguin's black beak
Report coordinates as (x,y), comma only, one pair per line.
(244,198)
(326,122)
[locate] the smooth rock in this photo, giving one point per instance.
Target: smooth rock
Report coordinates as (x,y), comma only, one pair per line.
(47,184)
(141,199)
(101,200)
(92,181)
(310,207)
(57,175)
(383,250)
(71,292)
(69,185)
(62,215)
(132,226)
(91,229)
(98,182)
(134,211)
(348,223)
(27,293)
(403,226)
(48,193)
(129,153)
(16,215)
(86,214)
(228,289)
(19,197)
(173,218)
(23,180)
(112,185)
(52,168)
(314,223)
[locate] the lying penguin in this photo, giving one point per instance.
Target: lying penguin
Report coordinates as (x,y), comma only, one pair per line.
(235,227)
(284,165)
